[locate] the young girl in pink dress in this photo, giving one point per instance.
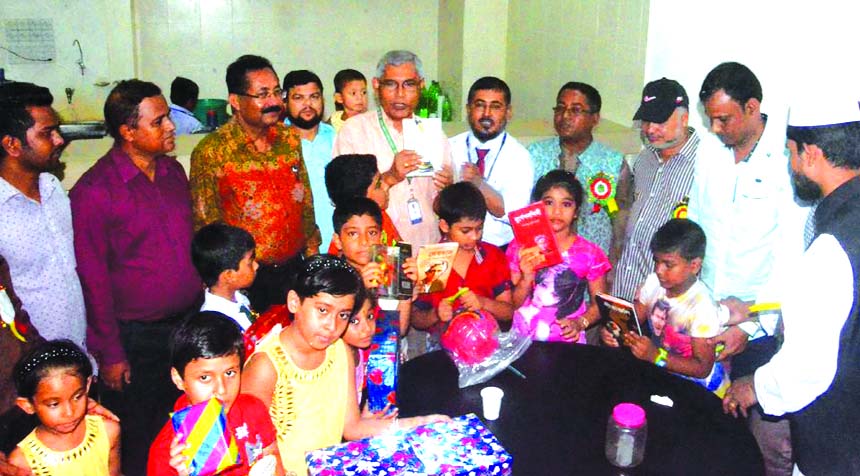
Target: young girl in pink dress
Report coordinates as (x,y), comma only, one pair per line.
(551,304)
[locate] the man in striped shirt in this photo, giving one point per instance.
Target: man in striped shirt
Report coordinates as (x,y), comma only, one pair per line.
(662,175)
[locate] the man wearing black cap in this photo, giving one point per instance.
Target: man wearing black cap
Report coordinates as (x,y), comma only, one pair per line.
(663,173)
(815,376)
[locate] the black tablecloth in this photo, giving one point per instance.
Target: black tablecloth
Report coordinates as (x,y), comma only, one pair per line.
(554,421)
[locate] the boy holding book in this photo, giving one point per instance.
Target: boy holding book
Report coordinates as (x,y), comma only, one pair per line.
(679,309)
(207,352)
(480,279)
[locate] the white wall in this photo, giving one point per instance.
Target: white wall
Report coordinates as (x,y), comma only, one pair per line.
(199,38)
(785,43)
(103,28)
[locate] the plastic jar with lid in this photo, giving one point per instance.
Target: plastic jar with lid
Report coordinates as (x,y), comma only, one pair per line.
(626,433)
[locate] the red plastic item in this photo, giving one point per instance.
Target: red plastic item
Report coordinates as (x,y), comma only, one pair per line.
(471,337)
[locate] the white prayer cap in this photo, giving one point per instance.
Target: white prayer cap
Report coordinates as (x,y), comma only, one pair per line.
(824,110)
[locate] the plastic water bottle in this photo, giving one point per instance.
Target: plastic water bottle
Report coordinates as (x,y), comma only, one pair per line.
(626,433)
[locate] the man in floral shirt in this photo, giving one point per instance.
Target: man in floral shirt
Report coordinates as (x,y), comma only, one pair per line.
(250,173)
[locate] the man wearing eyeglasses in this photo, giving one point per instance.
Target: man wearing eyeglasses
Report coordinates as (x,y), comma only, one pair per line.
(662,176)
(305,108)
(493,160)
(575,115)
(250,173)
(398,82)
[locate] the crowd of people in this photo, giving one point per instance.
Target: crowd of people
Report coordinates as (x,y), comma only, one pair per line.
(737,245)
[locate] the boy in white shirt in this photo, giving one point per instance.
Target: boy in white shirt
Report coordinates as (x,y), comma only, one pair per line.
(225,258)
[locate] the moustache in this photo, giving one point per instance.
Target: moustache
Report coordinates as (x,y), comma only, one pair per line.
(272,109)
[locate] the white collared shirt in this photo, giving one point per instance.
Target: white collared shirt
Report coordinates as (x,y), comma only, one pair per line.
(748,212)
(38,243)
(816,302)
(231,309)
(508,170)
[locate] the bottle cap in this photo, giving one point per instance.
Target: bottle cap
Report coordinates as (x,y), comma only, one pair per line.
(628,415)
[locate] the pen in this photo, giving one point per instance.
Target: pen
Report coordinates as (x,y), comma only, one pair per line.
(516,372)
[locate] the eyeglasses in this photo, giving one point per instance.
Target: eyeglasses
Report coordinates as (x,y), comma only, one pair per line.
(493,106)
(265,93)
(392,85)
(575,110)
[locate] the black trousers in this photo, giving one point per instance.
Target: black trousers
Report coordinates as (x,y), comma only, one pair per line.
(272,283)
(145,404)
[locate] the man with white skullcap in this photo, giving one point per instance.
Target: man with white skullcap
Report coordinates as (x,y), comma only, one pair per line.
(815,376)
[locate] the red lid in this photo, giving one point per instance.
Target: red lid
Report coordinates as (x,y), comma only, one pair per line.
(629,415)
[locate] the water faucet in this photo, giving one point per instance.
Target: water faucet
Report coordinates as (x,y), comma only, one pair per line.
(80,56)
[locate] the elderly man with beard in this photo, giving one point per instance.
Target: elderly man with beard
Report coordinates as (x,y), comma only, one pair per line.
(662,175)
(305,109)
(250,173)
(493,160)
(814,378)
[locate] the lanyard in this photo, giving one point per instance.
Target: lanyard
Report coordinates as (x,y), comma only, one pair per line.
(385,132)
(495,159)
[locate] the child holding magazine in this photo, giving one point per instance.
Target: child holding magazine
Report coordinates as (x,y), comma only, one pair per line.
(551,301)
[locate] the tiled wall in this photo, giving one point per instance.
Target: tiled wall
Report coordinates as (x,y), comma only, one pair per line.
(199,38)
(551,42)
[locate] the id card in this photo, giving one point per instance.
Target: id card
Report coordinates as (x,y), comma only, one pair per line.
(414,209)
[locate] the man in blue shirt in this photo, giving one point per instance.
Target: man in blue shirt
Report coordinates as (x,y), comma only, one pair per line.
(183,97)
(305,108)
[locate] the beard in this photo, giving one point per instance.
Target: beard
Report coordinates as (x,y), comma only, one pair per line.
(484,135)
(303,123)
(804,188)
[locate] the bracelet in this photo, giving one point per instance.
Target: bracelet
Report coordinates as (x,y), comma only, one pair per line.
(661,359)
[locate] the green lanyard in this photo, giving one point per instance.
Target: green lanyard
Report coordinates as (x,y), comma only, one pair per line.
(385,132)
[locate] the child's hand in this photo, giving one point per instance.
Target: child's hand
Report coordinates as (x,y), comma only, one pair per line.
(178,461)
(471,301)
(607,338)
(641,346)
(529,259)
(445,311)
(410,268)
(371,274)
(570,328)
(388,413)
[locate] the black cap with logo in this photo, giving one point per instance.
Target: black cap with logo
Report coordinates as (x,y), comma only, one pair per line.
(659,100)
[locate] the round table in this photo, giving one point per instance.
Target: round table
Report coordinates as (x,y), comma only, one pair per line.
(553,422)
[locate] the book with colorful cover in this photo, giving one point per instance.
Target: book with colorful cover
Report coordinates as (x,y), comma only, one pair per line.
(531,228)
(435,263)
(620,316)
(210,446)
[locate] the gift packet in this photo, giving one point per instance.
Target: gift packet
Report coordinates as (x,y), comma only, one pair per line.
(383,362)
(210,445)
(463,446)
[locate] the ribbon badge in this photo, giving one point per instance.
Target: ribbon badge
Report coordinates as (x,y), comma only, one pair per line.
(601,192)
(7,316)
(680,208)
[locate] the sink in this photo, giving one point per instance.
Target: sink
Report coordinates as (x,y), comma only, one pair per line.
(83,130)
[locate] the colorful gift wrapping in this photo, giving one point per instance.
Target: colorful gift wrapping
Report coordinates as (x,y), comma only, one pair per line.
(463,446)
(210,445)
(383,362)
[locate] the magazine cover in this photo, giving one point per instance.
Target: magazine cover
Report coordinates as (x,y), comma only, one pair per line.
(620,316)
(422,136)
(434,266)
(531,228)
